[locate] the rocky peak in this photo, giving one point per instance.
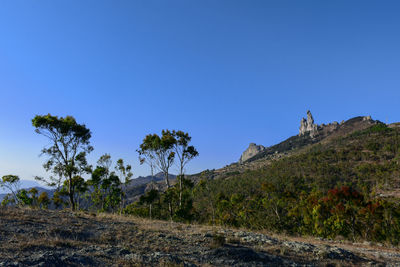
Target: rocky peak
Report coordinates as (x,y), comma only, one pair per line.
(308,125)
(367,118)
(251,151)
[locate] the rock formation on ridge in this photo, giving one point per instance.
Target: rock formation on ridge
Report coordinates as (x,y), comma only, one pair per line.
(308,125)
(309,133)
(250,152)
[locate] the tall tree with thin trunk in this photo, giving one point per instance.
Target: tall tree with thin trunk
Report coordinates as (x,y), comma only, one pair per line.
(126,173)
(162,149)
(184,153)
(68,140)
(148,156)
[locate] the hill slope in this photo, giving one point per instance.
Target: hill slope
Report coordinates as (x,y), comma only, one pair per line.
(347,184)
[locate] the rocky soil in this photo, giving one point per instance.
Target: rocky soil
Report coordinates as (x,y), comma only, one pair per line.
(61,238)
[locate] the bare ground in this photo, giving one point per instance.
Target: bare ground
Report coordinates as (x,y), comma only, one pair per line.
(61,238)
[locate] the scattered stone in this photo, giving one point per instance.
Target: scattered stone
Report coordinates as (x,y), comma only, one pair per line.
(153,243)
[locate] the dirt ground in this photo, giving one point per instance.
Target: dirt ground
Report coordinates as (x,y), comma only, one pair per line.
(31,237)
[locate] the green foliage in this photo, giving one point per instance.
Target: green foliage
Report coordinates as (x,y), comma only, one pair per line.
(43,200)
(70,142)
(77,186)
(125,174)
(58,200)
(12,183)
(7,200)
(158,205)
(329,190)
(33,192)
(159,150)
(24,198)
(184,153)
(107,192)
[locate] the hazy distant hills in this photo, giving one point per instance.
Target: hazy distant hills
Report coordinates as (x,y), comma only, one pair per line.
(28,184)
(147,179)
(24,184)
(138,186)
(134,189)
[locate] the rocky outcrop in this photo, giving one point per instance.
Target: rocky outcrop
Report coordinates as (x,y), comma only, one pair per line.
(251,151)
(367,118)
(308,125)
(309,133)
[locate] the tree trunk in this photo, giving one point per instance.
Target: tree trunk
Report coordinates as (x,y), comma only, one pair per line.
(71,194)
(166,180)
(170,210)
(180,190)
(150,211)
(122,203)
(169,201)
(71,201)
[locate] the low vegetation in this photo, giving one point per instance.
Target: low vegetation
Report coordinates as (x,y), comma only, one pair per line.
(341,189)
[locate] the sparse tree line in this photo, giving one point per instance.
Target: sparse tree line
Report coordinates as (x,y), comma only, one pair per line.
(329,191)
(105,190)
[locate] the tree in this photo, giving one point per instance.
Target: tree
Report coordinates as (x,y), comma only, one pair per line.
(57,200)
(162,150)
(148,156)
(97,195)
(149,198)
(70,142)
(12,183)
(184,153)
(126,173)
(78,187)
(107,185)
(23,198)
(33,192)
(8,199)
(43,200)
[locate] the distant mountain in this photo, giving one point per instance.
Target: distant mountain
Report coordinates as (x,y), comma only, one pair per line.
(24,184)
(148,179)
(138,186)
(40,190)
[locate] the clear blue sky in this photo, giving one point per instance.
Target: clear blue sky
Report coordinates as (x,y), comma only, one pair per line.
(228,72)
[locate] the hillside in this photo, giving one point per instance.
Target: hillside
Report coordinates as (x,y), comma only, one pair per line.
(347,185)
(354,145)
(337,182)
(56,238)
(138,186)
(296,144)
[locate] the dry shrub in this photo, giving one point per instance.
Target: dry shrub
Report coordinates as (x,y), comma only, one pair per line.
(217,241)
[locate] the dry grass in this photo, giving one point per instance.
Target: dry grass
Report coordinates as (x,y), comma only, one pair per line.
(25,231)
